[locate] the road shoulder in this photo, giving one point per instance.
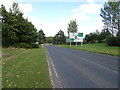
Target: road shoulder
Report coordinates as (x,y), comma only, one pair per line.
(55,81)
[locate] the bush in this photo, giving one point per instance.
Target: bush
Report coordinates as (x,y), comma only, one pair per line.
(22,45)
(111,41)
(118,40)
(33,45)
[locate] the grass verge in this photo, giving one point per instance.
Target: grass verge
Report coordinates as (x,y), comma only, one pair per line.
(25,68)
(97,48)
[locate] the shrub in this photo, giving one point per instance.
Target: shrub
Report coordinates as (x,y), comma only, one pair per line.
(118,40)
(22,45)
(33,45)
(111,41)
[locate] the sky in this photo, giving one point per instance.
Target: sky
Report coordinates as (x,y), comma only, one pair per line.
(52,16)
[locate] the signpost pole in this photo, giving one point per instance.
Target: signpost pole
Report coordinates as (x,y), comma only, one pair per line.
(81,43)
(76,42)
(70,43)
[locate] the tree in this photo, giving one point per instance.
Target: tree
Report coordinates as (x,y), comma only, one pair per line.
(94,37)
(41,37)
(0,27)
(59,38)
(103,35)
(8,35)
(91,38)
(16,29)
(111,16)
(15,9)
(49,40)
(72,26)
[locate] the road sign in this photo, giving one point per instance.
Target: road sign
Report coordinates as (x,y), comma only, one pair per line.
(71,39)
(67,40)
(80,35)
(72,34)
(79,39)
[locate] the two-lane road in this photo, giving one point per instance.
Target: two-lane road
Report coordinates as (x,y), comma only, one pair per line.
(81,69)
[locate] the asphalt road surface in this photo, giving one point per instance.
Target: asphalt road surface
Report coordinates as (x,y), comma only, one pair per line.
(71,68)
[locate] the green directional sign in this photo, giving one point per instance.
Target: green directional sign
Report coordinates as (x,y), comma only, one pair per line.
(71,39)
(80,35)
(67,40)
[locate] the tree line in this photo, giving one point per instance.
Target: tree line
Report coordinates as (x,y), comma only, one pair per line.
(60,38)
(110,34)
(17,29)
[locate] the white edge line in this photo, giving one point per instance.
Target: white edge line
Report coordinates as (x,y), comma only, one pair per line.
(56,73)
(49,69)
(53,69)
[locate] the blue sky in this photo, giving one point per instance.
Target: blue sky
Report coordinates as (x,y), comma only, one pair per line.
(52,11)
(53,16)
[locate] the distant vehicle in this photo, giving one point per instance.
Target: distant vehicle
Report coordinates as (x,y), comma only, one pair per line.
(50,44)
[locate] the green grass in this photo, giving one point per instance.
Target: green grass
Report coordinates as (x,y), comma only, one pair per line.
(97,48)
(25,68)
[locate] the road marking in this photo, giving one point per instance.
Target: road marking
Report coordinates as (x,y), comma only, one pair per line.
(54,71)
(49,68)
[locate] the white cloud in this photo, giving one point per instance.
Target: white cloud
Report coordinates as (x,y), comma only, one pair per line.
(90,8)
(25,8)
(90,1)
(84,17)
(64,0)
(82,14)
(7,3)
(79,17)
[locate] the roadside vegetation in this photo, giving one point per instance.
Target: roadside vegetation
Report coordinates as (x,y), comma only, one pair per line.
(18,31)
(25,68)
(97,48)
(24,62)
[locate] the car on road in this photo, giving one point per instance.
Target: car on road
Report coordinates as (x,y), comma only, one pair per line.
(50,44)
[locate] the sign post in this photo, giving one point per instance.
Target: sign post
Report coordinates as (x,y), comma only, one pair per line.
(75,37)
(70,44)
(76,40)
(71,40)
(80,35)
(81,43)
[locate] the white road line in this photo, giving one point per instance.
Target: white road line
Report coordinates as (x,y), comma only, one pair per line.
(54,71)
(49,68)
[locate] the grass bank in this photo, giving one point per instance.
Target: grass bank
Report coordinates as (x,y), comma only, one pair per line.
(97,48)
(25,68)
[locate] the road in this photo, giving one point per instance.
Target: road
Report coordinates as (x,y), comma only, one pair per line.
(71,68)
